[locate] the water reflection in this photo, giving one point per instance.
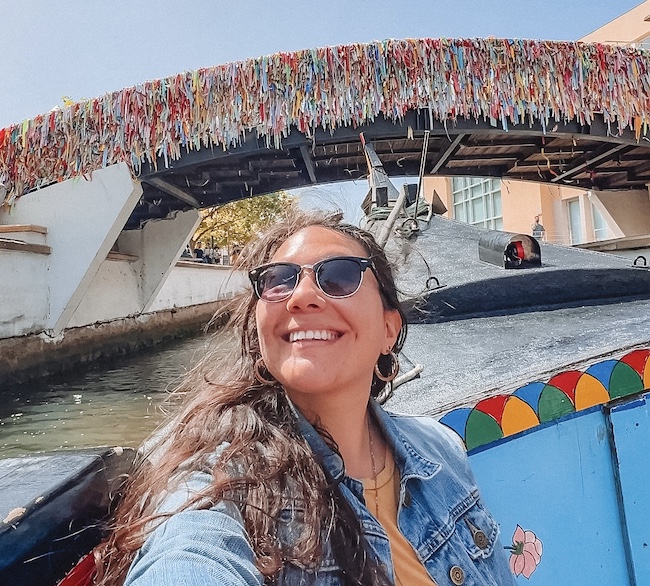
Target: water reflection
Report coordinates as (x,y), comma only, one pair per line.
(118,403)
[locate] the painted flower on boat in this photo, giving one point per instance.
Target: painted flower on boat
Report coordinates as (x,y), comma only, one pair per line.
(526,553)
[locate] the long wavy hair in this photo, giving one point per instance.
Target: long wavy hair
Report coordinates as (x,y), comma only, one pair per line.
(266,460)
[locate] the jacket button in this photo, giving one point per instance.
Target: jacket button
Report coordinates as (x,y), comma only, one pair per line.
(407,499)
(480,539)
(457,575)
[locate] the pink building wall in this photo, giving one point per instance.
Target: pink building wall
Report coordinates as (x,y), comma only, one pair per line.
(633,27)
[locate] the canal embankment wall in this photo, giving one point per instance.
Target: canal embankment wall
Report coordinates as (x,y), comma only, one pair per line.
(107,322)
(79,283)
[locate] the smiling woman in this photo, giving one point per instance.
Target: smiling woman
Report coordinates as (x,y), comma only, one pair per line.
(330,316)
(282,468)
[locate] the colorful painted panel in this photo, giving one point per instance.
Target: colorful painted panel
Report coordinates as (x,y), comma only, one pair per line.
(554,495)
(540,402)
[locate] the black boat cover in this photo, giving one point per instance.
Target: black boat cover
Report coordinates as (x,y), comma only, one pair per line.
(52,507)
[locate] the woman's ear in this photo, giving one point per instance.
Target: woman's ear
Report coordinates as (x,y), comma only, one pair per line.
(393,324)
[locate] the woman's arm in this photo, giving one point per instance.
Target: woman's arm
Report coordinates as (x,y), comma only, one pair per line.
(197,547)
(207,547)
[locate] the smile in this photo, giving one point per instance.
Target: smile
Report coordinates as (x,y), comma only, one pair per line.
(313,335)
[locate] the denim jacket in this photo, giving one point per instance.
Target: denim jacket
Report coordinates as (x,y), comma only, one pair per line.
(439,512)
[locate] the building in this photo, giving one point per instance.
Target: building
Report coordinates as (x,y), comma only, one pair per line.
(629,29)
(608,221)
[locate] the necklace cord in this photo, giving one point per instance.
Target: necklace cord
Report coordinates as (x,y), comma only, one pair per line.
(374,469)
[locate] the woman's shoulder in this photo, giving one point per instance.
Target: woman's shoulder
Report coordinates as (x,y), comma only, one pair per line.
(191,482)
(426,434)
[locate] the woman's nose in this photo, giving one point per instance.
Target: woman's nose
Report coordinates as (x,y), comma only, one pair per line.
(307,294)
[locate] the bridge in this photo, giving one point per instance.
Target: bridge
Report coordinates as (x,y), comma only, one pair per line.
(568,113)
(572,154)
(91,177)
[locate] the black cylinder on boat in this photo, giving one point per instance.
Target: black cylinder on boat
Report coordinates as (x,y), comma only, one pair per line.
(508,250)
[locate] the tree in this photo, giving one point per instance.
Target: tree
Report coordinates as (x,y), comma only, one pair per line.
(235,223)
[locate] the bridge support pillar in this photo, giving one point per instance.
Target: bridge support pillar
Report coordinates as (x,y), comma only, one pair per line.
(627,213)
(158,245)
(83,220)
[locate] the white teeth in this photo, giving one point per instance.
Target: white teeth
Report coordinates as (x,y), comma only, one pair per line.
(312,335)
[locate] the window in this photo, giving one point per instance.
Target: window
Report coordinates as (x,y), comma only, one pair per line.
(642,44)
(477,201)
(575,221)
(600,226)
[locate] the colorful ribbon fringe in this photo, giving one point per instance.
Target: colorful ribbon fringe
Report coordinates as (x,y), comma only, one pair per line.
(510,81)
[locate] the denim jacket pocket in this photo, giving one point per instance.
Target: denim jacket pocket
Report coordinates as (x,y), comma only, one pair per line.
(468,547)
(478,531)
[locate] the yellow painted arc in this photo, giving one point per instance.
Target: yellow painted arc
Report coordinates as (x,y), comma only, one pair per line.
(517,416)
(589,392)
(646,374)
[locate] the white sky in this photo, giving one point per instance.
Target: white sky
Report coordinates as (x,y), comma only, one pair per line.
(85,48)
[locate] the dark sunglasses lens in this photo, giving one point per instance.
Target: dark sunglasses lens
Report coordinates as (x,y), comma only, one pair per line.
(276,282)
(339,277)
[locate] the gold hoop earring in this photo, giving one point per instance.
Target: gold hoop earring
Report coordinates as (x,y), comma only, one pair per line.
(394,368)
(260,370)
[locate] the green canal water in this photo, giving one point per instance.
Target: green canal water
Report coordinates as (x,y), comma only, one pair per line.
(115,403)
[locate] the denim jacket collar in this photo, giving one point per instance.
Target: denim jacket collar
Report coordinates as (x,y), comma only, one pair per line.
(331,462)
(410,462)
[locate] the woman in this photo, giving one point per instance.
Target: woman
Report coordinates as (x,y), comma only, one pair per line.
(281,468)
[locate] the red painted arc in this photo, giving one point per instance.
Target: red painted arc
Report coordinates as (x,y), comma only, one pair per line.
(493,406)
(637,360)
(566,382)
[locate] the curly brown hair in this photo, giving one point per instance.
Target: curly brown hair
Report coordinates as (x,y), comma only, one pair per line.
(265,457)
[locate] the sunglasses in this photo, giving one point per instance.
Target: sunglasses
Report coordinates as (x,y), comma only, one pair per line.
(336,277)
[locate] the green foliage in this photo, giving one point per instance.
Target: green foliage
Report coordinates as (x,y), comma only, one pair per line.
(235,223)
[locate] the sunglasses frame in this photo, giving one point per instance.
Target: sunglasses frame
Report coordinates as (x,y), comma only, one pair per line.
(362,263)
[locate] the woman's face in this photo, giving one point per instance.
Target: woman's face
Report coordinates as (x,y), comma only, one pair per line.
(353,331)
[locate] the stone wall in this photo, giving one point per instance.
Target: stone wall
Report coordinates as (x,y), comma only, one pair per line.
(33,355)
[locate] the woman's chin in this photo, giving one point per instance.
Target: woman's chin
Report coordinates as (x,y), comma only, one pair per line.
(304,371)
(308,385)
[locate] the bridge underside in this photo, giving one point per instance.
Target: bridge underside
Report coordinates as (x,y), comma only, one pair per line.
(589,157)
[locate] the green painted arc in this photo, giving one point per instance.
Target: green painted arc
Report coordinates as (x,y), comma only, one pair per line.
(624,381)
(553,403)
(481,429)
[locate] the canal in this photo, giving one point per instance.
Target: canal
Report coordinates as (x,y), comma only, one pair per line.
(110,403)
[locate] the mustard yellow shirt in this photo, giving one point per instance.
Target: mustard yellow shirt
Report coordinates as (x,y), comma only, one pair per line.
(381,499)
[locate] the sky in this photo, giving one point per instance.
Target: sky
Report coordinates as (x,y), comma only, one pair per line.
(85,48)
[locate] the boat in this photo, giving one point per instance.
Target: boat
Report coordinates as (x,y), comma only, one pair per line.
(53,507)
(542,372)
(544,375)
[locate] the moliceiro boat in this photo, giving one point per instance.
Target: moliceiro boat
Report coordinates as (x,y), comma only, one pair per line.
(53,507)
